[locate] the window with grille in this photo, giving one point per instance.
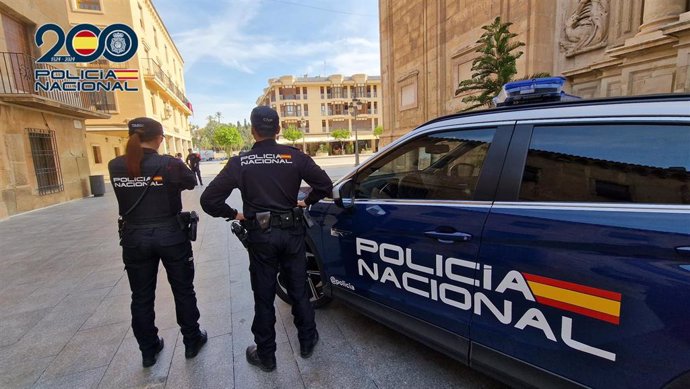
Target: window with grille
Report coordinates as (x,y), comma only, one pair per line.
(46,161)
(92,5)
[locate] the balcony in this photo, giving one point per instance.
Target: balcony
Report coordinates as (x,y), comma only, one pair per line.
(158,79)
(17,87)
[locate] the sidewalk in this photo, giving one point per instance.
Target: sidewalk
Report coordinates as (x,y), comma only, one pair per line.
(65,321)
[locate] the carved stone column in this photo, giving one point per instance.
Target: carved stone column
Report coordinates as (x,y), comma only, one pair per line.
(660,12)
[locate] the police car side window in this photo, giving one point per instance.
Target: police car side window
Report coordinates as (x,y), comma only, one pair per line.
(439,166)
(608,163)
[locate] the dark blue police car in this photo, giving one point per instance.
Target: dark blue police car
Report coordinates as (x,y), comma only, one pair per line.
(547,244)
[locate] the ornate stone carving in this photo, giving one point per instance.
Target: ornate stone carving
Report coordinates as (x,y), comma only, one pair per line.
(587,27)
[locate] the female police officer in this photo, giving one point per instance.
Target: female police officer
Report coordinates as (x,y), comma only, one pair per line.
(148,187)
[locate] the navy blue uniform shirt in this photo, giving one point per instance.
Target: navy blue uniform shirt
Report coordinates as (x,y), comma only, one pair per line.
(269,177)
(163,198)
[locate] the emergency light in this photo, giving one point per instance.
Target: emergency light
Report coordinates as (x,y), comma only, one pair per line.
(536,90)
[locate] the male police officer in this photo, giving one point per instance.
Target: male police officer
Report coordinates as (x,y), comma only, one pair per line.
(147,187)
(269,177)
(194,161)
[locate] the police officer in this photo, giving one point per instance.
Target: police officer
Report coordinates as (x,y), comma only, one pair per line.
(148,187)
(269,177)
(194,161)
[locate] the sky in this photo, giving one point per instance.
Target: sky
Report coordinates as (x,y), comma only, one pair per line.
(231,48)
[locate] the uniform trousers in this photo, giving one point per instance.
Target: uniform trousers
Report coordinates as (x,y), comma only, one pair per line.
(279,249)
(142,249)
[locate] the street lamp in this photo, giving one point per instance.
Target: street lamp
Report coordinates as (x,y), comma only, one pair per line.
(354,106)
(304,134)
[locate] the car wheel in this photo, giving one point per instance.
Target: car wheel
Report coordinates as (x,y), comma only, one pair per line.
(314,282)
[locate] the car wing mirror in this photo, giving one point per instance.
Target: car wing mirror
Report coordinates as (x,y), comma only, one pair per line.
(343,194)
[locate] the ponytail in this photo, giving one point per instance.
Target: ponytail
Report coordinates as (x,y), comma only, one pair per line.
(133,155)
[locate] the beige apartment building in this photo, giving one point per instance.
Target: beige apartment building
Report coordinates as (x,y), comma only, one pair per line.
(603,48)
(43,159)
(161,93)
(319,105)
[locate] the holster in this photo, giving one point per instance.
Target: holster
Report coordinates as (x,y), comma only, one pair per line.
(120,226)
(188,222)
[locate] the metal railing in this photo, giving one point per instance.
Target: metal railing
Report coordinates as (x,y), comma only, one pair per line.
(152,68)
(17,77)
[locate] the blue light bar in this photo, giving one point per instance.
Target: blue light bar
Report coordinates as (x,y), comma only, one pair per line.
(536,90)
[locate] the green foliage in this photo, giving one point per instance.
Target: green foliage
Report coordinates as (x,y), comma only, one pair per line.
(340,134)
(349,148)
(494,67)
(323,148)
(228,137)
(292,134)
(378,131)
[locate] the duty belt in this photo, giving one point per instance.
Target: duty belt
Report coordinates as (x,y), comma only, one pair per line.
(279,220)
(152,223)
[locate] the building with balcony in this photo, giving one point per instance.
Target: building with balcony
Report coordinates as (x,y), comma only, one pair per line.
(43,158)
(319,105)
(161,85)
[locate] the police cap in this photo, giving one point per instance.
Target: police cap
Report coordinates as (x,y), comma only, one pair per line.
(264,118)
(147,128)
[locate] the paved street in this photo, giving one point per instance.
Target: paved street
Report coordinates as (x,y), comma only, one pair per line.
(65,321)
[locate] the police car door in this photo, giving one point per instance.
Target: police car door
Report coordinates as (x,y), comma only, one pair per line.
(588,247)
(410,241)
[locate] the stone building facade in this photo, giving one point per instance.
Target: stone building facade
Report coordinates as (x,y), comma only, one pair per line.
(161,83)
(43,159)
(603,48)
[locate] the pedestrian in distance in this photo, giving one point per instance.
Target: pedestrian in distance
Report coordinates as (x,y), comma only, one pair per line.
(269,177)
(148,187)
(194,161)
(178,156)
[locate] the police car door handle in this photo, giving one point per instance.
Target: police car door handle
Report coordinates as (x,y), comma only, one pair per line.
(449,237)
(683,250)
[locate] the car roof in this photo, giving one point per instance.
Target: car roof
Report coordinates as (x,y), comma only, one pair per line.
(630,106)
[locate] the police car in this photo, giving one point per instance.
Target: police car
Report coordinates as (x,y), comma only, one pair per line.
(545,242)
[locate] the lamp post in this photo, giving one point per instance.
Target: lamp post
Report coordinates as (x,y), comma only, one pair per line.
(353,106)
(304,135)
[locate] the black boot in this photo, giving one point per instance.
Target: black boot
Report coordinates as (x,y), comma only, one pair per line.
(306,350)
(193,349)
(148,359)
(254,359)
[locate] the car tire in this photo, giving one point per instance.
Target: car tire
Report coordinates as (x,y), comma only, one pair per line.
(315,283)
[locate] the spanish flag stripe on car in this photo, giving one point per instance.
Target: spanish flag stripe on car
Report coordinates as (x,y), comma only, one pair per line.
(593,302)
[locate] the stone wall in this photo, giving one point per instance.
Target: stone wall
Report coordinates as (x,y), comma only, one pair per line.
(603,47)
(18,182)
(427,48)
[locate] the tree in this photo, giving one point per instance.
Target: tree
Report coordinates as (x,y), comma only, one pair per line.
(378,131)
(341,135)
(228,137)
(292,134)
(494,67)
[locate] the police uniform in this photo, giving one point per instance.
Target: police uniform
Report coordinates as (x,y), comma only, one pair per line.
(269,177)
(151,233)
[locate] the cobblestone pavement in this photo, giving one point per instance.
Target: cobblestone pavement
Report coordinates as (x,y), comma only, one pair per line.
(65,321)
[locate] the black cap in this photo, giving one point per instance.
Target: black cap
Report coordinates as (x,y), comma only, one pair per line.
(264,118)
(145,127)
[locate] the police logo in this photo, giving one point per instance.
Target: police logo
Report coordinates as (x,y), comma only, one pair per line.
(118,44)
